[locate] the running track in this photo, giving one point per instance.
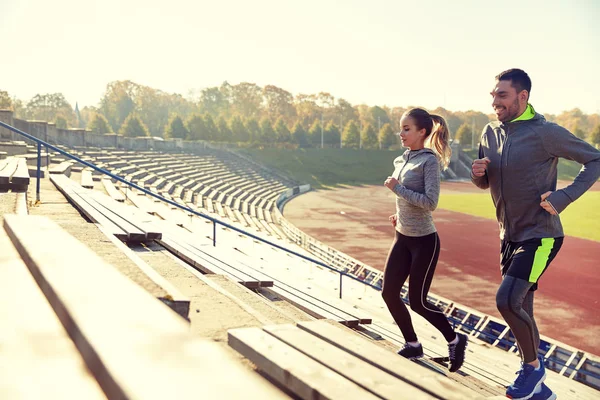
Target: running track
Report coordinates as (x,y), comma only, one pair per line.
(355,220)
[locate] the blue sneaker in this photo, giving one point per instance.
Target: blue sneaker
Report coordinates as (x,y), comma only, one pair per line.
(528,380)
(545,394)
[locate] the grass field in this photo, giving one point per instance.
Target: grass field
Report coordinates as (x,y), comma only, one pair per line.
(580,219)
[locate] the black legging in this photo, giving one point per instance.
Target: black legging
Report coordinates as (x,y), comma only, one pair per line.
(514,300)
(417,257)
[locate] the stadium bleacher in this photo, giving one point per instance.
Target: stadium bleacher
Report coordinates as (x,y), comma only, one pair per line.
(330,360)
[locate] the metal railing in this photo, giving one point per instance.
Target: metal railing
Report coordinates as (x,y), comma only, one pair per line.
(215,221)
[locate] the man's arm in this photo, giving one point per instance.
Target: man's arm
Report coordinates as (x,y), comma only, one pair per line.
(559,142)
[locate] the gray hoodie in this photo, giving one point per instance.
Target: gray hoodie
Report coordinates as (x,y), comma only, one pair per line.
(418,192)
(524,156)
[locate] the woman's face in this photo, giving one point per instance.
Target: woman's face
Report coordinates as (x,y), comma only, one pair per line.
(411,136)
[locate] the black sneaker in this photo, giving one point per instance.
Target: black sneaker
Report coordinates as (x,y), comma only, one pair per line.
(456,353)
(411,352)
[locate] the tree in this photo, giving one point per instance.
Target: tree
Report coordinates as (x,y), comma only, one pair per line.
(79,123)
(279,102)
(369,137)
(580,133)
(477,120)
(314,134)
(351,136)
(133,127)
(299,135)
(246,99)
(573,119)
(345,112)
(152,107)
(46,107)
(88,113)
(196,128)
(595,136)
(176,129)
(396,115)
(239,131)
(326,103)
(332,135)
(18,108)
(464,135)
(224,131)
(117,102)
(307,108)
(268,134)
(282,131)
(213,101)
(253,130)
(61,123)
(386,136)
(5,101)
(379,117)
(99,124)
(364,115)
(211,131)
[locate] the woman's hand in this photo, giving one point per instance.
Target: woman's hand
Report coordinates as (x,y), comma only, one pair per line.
(391,182)
(393,219)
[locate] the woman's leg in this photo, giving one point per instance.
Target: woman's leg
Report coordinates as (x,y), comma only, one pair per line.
(397,268)
(425,251)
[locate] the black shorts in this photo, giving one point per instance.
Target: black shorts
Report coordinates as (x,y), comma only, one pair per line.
(529,259)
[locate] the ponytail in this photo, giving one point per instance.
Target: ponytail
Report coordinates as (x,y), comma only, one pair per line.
(438,140)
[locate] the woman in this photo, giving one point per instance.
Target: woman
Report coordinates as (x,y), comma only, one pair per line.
(415,251)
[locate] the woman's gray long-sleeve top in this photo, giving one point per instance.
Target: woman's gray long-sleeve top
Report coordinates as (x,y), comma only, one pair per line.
(418,191)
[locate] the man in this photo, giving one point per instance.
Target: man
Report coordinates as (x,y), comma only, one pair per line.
(518,156)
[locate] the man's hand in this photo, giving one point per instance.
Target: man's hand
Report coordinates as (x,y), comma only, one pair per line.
(391,182)
(479,167)
(546,205)
(393,219)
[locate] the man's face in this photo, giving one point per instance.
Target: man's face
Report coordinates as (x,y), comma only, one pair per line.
(507,103)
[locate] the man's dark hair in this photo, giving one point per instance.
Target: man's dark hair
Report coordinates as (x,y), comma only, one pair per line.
(518,78)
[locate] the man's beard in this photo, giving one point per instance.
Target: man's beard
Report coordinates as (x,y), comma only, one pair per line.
(512,112)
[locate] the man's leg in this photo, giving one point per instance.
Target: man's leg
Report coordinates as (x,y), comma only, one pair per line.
(528,307)
(525,264)
(509,300)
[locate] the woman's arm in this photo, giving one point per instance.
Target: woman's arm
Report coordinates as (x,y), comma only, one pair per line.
(431,177)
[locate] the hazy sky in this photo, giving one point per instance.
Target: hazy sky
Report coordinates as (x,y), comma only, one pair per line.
(377,52)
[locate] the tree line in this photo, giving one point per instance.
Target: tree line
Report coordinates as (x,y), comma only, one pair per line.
(257,116)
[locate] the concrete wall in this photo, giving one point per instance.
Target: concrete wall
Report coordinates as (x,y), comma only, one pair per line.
(39,129)
(6,116)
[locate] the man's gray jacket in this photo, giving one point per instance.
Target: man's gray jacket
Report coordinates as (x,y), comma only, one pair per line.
(523,165)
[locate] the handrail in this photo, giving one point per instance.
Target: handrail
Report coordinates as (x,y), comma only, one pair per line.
(187,209)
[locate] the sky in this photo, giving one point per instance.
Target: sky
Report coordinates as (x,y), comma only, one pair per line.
(428,53)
